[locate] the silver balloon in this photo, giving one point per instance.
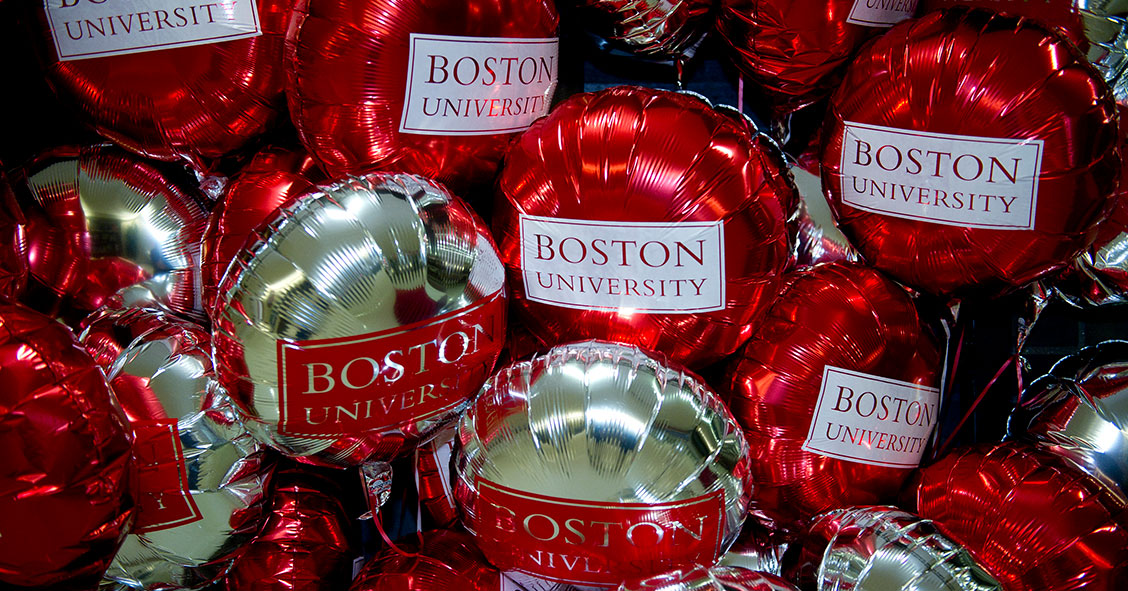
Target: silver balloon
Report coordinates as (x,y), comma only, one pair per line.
(717,578)
(1106,30)
(360,319)
(883,548)
(596,463)
(1081,409)
(202,477)
(100,220)
(659,28)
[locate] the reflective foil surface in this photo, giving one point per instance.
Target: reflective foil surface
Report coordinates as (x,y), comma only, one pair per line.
(360,319)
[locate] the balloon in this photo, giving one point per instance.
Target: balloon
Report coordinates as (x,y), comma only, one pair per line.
(1080,409)
(99,220)
(597,462)
(442,560)
(359,319)
(1030,517)
(306,542)
(645,217)
(878,548)
(13,244)
(433,478)
(1017,141)
(796,49)
(202,477)
(67,478)
(656,28)
(1061,14)
(269,180)
(717,578)
(184,90)
(799,389)
(431,87)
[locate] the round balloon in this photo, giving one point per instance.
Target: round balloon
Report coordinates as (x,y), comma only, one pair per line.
(796,49)
(596,463)
(431,87)
(876,548)
(1029,516)
(66,482)
(13,243)
(1081,409)
(202,477)
(99,220)
(992,174)
(362,317)
(662,29)
(441,560)
(170,81)
(716,578)
(270,179)
(837,394)
(645,217)
(306,542)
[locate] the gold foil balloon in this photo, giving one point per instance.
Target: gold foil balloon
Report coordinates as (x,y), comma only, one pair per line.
(202,478)
(597,463)
(360,318)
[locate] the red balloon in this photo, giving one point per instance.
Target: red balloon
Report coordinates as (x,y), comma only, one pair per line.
(445,560)
(1016,139)
(1030,517)
(796,49)
(349,71)
(13,243)
(66,480)
(272,178)
(433,478)
(195,102)
(1063,14)
(652,219)
(838,332)
(306,543)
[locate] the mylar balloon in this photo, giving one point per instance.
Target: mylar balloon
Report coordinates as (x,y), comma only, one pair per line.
(13,244)
(654,28)
(796,49)
(968,152)
(645,217)
(202,478)
(169,80)
(269,180)
(67,477)
(1081,409)
(596,463)
(443,560)
(360,318)
(837,394)
(431,87)
(306,543)
(717,578)
(1029,516)
(880,548)
(99,220)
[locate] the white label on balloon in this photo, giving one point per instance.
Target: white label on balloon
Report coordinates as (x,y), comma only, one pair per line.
(643,267)
(871,419)
(97,28)
(477,85)
(881,13)
(955,180)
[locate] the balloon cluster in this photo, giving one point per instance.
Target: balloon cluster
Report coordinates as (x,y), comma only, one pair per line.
(340,268)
